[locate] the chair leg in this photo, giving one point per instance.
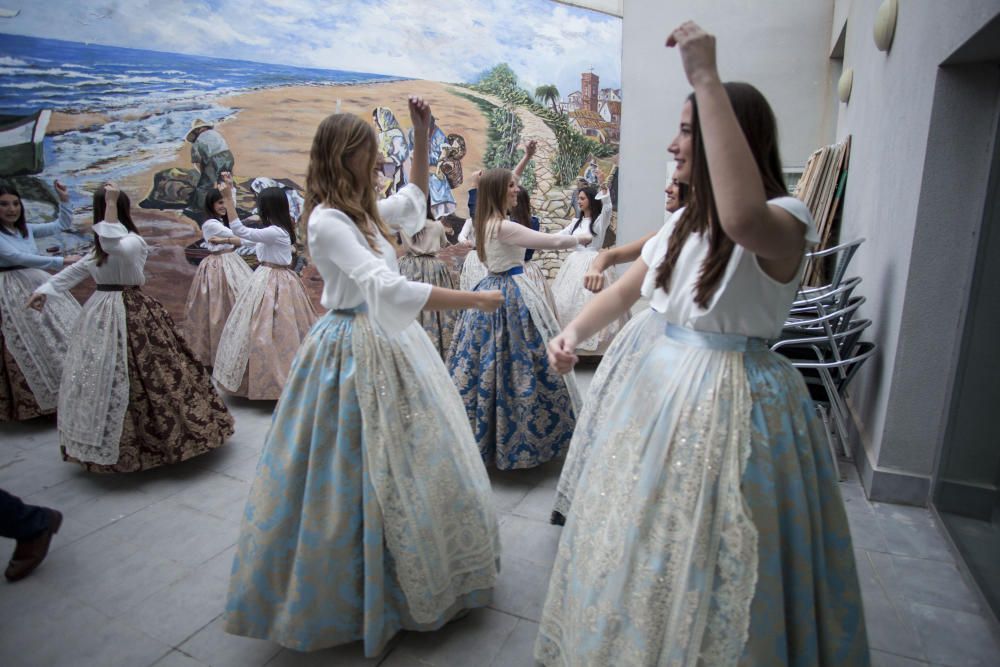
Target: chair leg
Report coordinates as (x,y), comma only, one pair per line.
(824,415)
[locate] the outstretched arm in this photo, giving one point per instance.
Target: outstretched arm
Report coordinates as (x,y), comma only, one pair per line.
(529,152)
(594,279)
(420,116)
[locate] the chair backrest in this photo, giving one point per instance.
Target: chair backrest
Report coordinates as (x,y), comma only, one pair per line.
(841,254)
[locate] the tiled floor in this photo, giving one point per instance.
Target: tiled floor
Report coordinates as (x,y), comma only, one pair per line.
(137,576)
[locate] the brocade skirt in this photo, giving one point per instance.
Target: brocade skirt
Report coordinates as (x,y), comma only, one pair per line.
(218,282)
(439,324)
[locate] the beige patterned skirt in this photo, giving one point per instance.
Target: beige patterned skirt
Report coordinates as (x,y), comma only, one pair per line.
(439,324)
(217,283)
(263,333)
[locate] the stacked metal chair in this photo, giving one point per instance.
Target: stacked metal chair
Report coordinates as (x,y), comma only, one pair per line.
(822,338)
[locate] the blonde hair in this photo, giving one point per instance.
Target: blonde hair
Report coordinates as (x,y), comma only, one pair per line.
(491,204)
(330,182)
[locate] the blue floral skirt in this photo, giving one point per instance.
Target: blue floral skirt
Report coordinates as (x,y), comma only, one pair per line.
(707,525)
(522,412)
(313,566)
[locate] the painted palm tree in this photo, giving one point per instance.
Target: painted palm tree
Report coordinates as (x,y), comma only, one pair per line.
(548,93)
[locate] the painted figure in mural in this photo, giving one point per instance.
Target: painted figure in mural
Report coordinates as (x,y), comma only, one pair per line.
(522,412)
(133,396)
(707,525)
(220,279)
(273,314)
(568,288)
(369,456)
(442,200)
(211,155)
(33,344)
(635,337)
(393,145)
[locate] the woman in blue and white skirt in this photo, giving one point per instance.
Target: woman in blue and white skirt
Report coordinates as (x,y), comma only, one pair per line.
(370,511)
(707,526)
(522,413)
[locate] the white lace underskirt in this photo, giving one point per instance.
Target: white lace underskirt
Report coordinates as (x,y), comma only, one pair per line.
(94,392)
(37,341)
(472,271)
(233,353)
(437,506)
(571,296)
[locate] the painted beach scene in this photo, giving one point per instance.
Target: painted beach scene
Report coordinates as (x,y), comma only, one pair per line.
(162,100)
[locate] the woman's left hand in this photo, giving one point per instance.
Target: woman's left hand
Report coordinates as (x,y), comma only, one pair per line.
(420,115)
(697,49)
(62,191)
(36,301)
(562,352)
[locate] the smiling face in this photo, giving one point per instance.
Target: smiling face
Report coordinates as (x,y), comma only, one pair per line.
(673,200)
(512,194)
(682,147)
(219,208)
(10,210)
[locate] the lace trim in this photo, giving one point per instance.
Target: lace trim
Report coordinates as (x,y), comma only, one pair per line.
(37,341)
(233,353)
(660,567)
(472,271)
(94,392)
(433,491)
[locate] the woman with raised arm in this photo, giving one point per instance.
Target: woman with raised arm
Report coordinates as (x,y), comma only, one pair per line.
(370,512)
(522,413)
(33,344)
(618,364)
(220,279)
(132,396)
(273,314)
(707,527)
(567,288)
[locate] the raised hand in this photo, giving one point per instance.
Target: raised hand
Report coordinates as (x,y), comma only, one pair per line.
(111,191)
(62,191)
(697,49)
(531,147)
(420,115)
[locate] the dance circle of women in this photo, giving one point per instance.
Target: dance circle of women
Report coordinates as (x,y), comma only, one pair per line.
(371,511)
(33,343)
(707,525)
(132,394)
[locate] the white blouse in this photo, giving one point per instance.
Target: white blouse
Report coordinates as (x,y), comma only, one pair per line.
(506,241)
(124,265)
(429,242)
(747,301)
(213,227)
(274,245)
(468,232)
(354,274)
(600,225)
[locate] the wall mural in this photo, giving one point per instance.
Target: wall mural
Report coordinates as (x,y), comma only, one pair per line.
(162,97)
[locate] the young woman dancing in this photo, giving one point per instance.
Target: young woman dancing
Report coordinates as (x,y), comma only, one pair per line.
(708,527)
(370,511)
(220,279)
(33,344)
(132,396)
(273,314)
(522,413)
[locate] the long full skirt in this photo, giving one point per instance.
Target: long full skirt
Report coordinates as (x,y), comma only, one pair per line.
(33,345)
(439,324)
(217,284)
(370,511)
(707,526)
(534,273)
(263,333)
(522,412)
(571,296)
(133,396)
(615,372)
(473,270)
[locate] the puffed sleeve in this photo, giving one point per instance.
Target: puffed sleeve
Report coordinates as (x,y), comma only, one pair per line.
(405,211)
(117,240)
(68,278)
(519,235)
(393,301)
(63,224)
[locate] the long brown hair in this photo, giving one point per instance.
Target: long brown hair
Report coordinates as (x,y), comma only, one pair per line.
(124,206)
(596,206)
(330,182)
(700,213)
(21,224)
(521,213)
(491,204)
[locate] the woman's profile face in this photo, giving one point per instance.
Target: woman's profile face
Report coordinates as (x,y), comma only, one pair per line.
(673,196)
(583,202)
(682,147)
(512,193)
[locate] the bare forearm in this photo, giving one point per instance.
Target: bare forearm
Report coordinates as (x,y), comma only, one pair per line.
(522,165)
(609,304)
(420,169)
(442,298)
(622,254)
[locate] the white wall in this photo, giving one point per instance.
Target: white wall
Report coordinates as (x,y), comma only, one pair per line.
(780,46)
(922,137)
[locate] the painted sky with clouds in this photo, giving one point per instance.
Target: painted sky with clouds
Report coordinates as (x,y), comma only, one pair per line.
(447,40)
